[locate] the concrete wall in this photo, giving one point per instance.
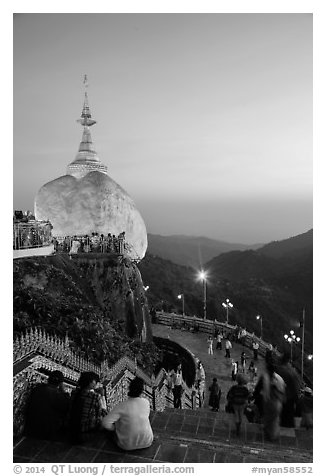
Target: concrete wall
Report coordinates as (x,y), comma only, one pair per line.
(42,251)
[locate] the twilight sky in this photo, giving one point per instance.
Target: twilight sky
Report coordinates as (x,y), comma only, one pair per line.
(204,119)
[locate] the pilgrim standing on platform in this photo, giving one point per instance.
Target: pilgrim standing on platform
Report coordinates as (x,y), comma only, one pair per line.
(218,341)
(228,347)
(237,397)
(234,367)
(243,362)
(210,345)
(214,396)
(177,386)
(255,347)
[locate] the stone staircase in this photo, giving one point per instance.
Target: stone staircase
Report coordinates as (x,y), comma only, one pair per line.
(180,436)
(214,437)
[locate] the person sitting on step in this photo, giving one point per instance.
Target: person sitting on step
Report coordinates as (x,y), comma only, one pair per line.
(87,407)
(47,409)
(130,419)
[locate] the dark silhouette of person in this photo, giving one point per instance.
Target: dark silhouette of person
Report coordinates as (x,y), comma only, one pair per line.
(214,396)
(47,409)
(292,381)
(269,395)
(153,314)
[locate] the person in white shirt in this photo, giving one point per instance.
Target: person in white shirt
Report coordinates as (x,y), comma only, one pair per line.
(130,419)
(228,347)
(210,345)
(200,382)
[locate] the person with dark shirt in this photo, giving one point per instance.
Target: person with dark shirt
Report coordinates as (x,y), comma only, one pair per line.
(214,396)
(305,406)
(292,381)
(269,397)
(153,314)
(86,409)
(177,382)
(47,409)
(237,397)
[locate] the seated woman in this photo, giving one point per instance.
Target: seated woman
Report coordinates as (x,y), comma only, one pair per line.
(86,409)
(130,419)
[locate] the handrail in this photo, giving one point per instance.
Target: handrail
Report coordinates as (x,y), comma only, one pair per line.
(165,318)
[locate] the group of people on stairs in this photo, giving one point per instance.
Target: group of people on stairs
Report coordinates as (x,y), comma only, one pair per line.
(53,414)
(276,400)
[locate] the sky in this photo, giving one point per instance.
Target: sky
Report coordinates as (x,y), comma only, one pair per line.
(204,119)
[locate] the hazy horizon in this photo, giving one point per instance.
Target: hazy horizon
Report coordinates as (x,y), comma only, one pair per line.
(204,119)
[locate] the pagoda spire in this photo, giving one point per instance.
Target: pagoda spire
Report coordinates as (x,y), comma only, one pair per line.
(86,115)
(86,159)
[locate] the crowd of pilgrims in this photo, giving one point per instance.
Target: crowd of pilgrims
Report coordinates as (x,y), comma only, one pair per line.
(274,398)
(93,243)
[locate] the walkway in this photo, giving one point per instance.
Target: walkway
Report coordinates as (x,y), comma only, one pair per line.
(216,365)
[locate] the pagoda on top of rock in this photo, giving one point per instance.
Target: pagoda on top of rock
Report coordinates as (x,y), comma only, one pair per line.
(86,200)
(86,159)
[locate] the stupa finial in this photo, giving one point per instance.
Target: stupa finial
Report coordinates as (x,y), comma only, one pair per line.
(86,160)
(86,112)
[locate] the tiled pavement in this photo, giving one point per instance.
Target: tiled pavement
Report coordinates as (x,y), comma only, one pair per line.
(181,436)
(184,435)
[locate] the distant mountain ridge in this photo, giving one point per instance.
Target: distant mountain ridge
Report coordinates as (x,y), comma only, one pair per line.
(275,281)
(191,251)
(277,249)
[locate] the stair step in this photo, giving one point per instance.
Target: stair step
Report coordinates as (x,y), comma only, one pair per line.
(218,428)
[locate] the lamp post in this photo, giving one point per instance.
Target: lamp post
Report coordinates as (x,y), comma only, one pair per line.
(290,339)
(227,305)
(182,296)
(259,318)
(302,343)
(203,277)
